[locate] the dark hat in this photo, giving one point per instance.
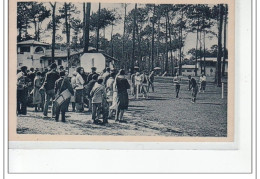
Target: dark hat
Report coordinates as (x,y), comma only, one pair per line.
(53,66)
(61,67)
(108,69)
(93,68)
(24,68)
(62,73)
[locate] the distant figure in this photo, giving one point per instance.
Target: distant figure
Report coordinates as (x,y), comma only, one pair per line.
(79,90)
(37,97)
(144,85)
(106,75)
(98,94)
(194,88)
(203,79)
(176,82)
(189,80)
(138,83)
(22,91)
(48,85)
(133,86)
(61,85)
(73,84)
(151,81)
(123,101)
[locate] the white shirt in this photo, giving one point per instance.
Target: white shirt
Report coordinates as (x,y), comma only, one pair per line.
(79,82)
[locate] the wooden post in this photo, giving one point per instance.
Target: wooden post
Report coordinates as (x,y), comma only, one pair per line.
(222,90)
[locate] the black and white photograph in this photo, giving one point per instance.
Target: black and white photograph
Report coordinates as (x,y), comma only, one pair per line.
(123,69)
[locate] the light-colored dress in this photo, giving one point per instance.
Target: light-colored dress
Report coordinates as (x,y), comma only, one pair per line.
(37,98)
(115,97)
(109,89)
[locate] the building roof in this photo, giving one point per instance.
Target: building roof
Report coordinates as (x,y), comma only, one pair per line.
(188,66)
(211,59)
(63,53)
(32,42)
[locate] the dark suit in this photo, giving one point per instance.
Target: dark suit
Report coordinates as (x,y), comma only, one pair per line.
(49,84)
(59,89)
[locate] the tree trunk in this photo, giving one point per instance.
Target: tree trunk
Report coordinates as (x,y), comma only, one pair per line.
(112,45)
(220,24)
(133,40)
(122,61)
(87,23)
(35,29)
(204,52)
(166,50)
(53,32)
(225,39)
(97,43)
(67,31)
(152,48)
(84,23)
(196,54)
(169,28)
(200,54)
(180,46)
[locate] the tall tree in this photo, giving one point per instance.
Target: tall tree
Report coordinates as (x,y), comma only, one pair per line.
(86,27)
(220,27)
(53,5)
(225,41)
(98,24)
(133,40)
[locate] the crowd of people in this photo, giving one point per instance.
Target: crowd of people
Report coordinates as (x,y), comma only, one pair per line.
(105,95)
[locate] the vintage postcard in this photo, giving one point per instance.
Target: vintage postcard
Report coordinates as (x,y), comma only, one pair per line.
(122,71)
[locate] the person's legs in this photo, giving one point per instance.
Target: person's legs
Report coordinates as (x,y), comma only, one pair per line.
(57,113)
(24,101)
(177,90)
(18,105)
(46,104)
(94,111)
(73,106)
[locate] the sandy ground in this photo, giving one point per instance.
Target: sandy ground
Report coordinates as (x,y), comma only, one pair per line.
(160,115)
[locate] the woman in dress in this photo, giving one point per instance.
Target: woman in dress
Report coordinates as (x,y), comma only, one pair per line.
(79,90)
(123,101)
(109,90)
(37,97)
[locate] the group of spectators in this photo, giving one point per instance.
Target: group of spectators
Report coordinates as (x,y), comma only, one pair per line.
(105,95)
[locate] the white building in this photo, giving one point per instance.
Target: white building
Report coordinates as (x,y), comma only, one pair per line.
(29,54)
(211,65)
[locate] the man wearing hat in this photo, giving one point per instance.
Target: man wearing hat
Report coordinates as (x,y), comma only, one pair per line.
(22,91)
(48,85)
(93,71)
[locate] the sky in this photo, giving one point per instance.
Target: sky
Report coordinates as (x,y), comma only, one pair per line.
(190,41)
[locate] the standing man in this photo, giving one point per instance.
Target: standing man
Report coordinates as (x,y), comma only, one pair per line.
(151,80)
(93,71)
(98,94)
(48,85)
(22,91)
(61,85)
(176,82)
(79,94)
(88,89)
